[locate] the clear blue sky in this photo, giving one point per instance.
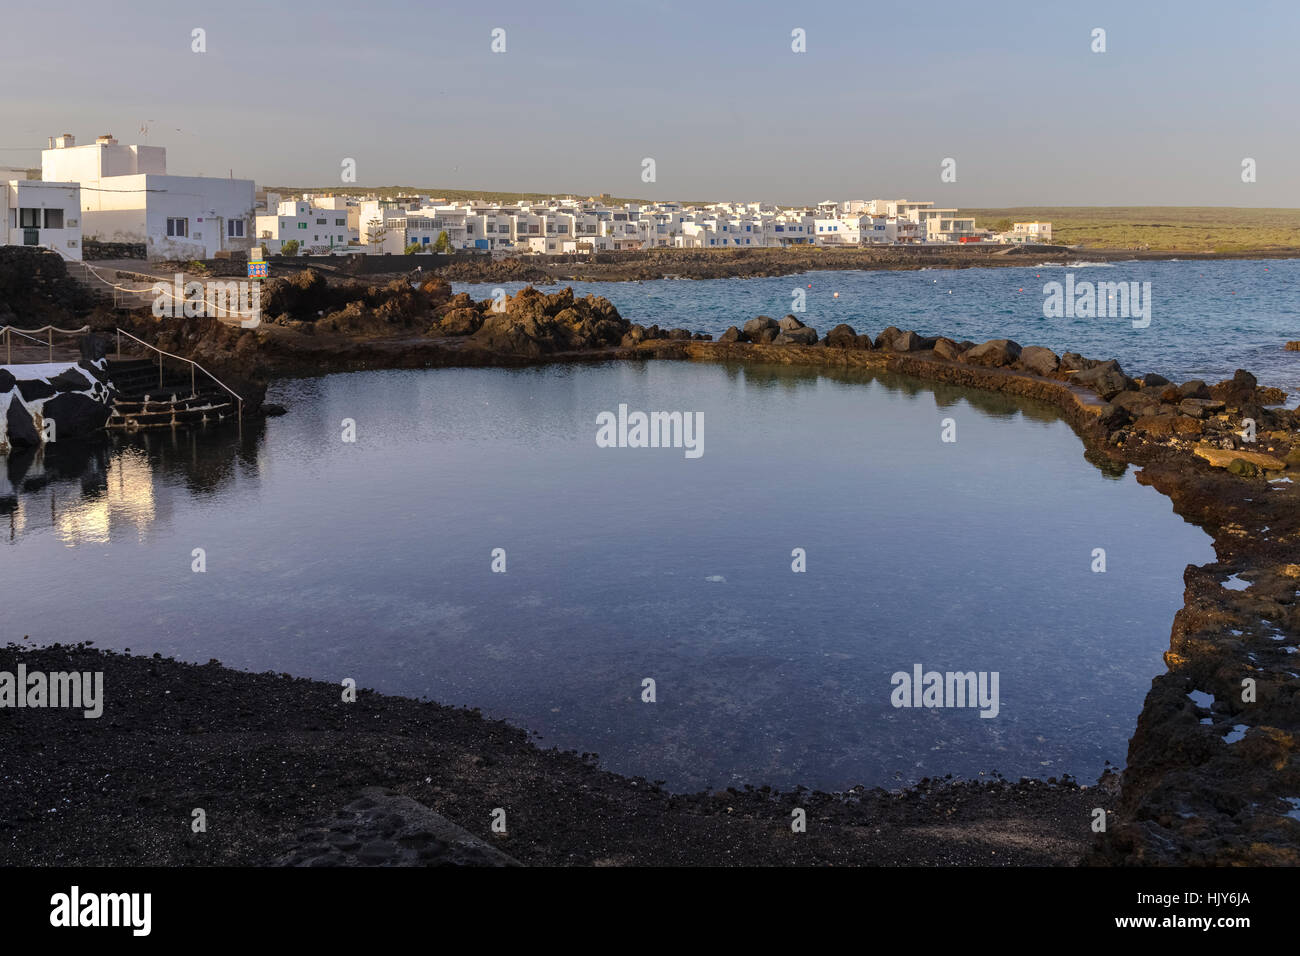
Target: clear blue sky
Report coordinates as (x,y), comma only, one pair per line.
(710,89)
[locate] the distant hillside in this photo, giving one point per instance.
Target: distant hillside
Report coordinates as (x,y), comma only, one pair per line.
(1172,228)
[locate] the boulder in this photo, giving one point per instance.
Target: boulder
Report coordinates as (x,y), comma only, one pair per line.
(1151,378)
(1243,468)
(1107,379)
(1038,360)
(460,322)
(1238,390)
(865,343)
(789,323)
(761,329)
(995,353)
(947,349)
(633,336)
(842,337)
(1199,407)
(1193,389)
(1074,362)
(906,342)
(1170,395)
(886,338)
(1113,417)
(800,336)
(1223,457)
(679,333)
(732,334)
(1168,425)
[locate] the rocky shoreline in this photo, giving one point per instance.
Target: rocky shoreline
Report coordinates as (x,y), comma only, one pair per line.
(1212,775)
(287,773)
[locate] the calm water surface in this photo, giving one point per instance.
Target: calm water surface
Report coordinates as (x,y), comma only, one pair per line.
(1207,319)
(371,560)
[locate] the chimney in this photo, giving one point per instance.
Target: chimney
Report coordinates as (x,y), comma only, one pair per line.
(65,141)
(105,140)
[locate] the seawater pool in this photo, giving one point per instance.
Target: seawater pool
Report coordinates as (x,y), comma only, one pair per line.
(372,560)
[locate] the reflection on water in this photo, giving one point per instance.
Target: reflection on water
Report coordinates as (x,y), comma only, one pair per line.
(371,560)
(118,486)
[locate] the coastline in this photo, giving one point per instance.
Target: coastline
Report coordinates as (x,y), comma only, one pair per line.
(269,757)
(1187,796)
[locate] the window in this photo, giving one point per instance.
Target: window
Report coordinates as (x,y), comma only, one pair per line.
(320,222)
(235,228)
(302,225)
(340,222)
(54,219)
(29,218)
(178,228)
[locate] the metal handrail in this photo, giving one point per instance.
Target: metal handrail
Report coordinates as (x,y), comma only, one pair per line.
(193,365)
(9,330)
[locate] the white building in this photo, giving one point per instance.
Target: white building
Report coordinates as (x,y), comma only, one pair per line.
(128,196)
(39,213)
(318,230)
(1031,232)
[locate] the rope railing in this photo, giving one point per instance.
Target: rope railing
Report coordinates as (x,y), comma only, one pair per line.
(10,330)
(192,364)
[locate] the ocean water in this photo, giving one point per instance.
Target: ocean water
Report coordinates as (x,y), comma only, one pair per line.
(1207,318)
(373,560)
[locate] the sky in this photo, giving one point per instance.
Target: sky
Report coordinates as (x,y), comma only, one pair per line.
(711,90)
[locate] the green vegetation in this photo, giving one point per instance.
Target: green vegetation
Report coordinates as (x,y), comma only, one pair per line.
(442,243)
(290,248)
(1161,228)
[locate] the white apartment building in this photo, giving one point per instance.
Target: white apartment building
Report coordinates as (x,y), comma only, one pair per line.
(128,196)
(318,230)
(39,213)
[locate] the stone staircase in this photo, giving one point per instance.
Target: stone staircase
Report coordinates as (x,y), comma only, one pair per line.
(106,290)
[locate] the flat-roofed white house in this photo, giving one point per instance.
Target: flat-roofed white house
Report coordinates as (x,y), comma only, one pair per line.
(318,230)
(128,196)
(1031,232)
(39,213)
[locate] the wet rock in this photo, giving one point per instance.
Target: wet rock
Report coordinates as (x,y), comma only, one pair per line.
(1243,468)
(1151,378)
(732,334)
(995,353)
(1038,360)
(634,336)
(679,334)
